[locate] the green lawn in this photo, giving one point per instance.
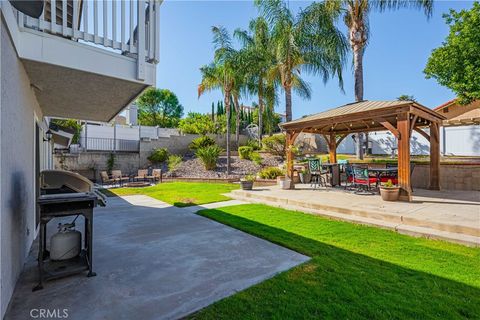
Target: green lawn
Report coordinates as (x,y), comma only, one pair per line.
(180,194)
(356,272)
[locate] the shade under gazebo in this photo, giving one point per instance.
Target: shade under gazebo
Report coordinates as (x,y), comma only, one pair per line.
(399,117)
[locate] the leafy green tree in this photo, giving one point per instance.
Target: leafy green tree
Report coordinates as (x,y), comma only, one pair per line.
(271,120)
(456,64)
(406,97)
(197,123)
(159,107)
(355,15)
(308,42)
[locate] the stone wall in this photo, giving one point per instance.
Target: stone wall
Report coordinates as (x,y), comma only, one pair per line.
(89,164)
(452,177)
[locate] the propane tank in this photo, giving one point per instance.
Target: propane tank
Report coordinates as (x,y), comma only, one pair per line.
(66,243)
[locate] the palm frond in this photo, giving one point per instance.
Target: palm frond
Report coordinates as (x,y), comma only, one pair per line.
(383,5)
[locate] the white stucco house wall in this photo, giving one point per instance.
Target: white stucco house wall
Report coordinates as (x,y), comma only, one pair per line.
(89,61)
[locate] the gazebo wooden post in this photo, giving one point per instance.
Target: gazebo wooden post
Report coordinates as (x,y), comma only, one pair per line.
(332,148)
(434,156)
(289,140)
(403,127)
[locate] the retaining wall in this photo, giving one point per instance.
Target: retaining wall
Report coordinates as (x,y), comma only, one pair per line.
(452,176)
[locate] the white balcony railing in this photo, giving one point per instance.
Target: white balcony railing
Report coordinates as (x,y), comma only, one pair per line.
(129,27)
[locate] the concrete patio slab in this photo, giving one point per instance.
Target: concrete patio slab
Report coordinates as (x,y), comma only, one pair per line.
(154,261)
(447,215)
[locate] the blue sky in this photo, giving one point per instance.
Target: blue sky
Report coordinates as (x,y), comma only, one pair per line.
(400,44)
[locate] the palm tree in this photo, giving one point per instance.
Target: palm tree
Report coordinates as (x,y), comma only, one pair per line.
(309,42)
(221,75)
(355,14)
(258,60)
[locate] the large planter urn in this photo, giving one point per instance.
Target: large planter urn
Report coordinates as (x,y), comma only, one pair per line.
(390,193)
(246,185)
(305,177)
(285,183)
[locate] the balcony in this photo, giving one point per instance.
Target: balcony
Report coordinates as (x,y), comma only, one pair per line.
(87,59)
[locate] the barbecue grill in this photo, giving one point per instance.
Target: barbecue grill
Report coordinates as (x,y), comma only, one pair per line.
(63,194)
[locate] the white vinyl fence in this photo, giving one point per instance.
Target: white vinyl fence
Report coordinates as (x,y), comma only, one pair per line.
(120,137)
(457,141)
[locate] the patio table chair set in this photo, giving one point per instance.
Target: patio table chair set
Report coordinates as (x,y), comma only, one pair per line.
(356,177)
(118,179)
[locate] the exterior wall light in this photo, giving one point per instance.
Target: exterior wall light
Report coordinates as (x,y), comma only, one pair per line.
(48,135)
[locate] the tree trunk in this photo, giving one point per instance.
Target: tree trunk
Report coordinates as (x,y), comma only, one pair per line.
(288,103)
(227,109)
(358,75)
(260,111)
(237,121)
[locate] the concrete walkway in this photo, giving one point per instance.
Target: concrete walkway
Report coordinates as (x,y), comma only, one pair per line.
(447,215)
(155,261)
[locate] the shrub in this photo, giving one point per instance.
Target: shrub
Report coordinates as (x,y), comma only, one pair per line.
(254,144)
(201,142)
(257,158)
(110,162)
(275,145)
(159,155)
(245,152)
(173,161)
(197,123)
(271,173)
(249,177)
(209,156)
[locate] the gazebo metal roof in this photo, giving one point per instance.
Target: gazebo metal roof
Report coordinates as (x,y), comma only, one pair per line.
(362,116)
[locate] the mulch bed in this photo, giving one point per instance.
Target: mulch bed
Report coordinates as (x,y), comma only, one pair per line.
(193,168)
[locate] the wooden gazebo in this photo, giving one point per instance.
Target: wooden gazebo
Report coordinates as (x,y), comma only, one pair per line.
(399,117)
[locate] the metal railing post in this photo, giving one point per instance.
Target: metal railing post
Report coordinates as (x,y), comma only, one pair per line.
(141,40)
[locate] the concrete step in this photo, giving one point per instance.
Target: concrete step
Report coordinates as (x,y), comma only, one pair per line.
(373,220)
(380,215)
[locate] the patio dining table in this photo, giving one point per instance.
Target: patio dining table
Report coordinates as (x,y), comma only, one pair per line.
(379,171)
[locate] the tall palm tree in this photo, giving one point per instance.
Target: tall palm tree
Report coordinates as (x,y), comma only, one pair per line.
(258,60)
(221,75)
(307,42)
(355,14)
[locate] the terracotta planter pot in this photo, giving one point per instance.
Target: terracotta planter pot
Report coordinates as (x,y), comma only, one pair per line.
(305,177)
(246,185)
(390,194)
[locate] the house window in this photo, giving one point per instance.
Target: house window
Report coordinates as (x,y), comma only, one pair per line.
(445,110)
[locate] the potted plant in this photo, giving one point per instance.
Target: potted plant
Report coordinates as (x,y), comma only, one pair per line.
(389,191)
(305,176)
(247,182)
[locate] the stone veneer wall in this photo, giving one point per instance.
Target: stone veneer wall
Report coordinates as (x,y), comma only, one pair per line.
(452,176)
(85,162)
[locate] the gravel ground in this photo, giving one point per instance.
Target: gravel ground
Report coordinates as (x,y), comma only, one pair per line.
(193,167)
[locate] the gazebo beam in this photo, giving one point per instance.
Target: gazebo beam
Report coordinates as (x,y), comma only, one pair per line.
(434,156)
(423,133)
(389,127)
